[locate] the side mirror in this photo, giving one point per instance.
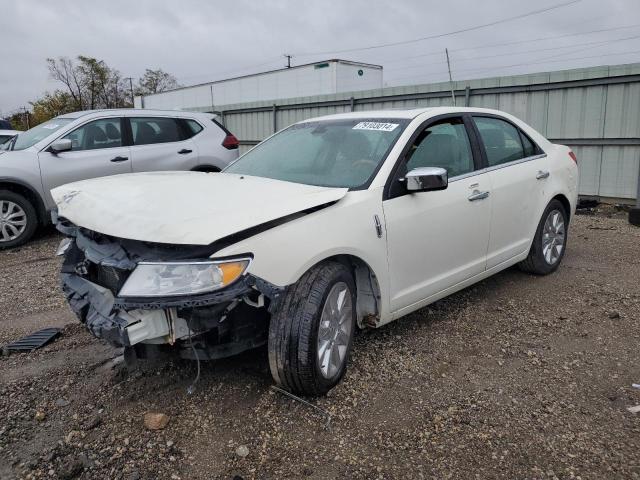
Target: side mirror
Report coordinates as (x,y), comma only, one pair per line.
(426,179)
(62,145)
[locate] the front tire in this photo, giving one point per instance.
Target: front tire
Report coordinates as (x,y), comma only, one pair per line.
(549,243)
(18,219)
(311,333)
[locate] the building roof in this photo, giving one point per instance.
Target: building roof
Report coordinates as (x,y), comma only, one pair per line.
(333,60)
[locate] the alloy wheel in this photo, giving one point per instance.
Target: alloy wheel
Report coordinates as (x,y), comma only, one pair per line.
(553,236)
(335,330)
(13,221)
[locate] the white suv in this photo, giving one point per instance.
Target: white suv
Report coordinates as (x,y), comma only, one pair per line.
(97,143)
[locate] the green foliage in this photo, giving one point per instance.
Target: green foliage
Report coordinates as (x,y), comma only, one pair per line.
(155,81)
(89,83)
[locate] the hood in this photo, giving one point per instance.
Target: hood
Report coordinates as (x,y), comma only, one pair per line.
(186,208)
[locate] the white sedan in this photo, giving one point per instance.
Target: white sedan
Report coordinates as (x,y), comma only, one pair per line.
(335,222)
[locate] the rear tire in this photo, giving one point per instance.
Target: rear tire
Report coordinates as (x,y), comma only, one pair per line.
(18,219)
(549,243)
(311,333)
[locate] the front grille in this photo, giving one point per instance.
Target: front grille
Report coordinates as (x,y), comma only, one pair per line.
(108,277)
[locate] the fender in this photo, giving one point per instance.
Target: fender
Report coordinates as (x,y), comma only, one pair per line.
(39,203)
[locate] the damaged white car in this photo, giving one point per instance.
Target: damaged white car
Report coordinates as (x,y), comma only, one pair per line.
(334,223)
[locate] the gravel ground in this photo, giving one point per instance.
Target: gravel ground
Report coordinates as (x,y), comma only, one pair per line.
(515,377)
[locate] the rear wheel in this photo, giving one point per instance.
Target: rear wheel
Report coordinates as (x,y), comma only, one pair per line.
(550,241)
(311,333)
(18,219)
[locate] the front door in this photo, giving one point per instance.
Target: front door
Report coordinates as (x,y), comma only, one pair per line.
(437,239)
(97,151)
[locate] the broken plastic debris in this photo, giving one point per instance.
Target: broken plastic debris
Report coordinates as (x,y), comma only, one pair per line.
(635,409)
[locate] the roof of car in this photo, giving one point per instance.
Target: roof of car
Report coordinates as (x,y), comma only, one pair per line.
(410,113)
(9,132)
(129,111)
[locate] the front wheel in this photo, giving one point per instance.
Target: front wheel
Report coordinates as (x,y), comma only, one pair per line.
(549,243)
(18,219)
(310,334)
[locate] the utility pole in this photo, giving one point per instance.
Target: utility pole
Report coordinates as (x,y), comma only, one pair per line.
(288,57)
(453,95)
(26,117)
(131,88)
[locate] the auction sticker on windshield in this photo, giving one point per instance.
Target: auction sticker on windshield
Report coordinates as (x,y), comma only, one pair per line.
(385,127)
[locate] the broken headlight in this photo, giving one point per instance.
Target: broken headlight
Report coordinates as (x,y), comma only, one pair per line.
(164,279)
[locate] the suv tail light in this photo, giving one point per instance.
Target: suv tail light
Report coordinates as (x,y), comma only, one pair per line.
(230,142)
(573,156)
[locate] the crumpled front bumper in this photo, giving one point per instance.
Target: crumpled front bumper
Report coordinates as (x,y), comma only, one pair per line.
(94,270)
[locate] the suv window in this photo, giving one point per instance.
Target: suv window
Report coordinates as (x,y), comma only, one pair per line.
(150,130)
(501,140)
(443,144)
(191,127)
(103,133)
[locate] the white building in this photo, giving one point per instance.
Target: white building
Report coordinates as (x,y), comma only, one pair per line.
(319,78)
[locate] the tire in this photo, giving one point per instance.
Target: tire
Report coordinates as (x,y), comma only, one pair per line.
(634,216)
(541,260)
(296,327)
(14,209)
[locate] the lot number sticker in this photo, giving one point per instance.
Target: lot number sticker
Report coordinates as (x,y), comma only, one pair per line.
(385,127)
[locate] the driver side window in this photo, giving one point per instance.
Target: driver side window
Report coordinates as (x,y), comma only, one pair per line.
(443,144)
(103,133)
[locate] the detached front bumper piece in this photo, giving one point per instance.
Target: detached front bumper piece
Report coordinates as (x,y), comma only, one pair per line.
(213,325)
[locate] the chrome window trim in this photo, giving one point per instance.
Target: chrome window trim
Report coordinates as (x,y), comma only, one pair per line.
(497,167)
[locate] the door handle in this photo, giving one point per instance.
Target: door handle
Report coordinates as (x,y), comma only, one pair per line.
(541,175)
(119,159)
(477,195)
(184,150)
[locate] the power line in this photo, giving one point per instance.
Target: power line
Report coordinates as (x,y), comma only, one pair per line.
(505,44)
(454,32)
(444,72)
(586,44)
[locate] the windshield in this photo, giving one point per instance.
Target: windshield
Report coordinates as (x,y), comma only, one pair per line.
(39,132)
(330,153)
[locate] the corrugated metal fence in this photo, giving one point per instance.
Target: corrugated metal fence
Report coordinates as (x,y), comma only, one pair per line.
(594,110)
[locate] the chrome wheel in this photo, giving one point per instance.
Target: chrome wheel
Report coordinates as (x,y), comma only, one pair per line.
(335,329)
(13,221)
(553,236)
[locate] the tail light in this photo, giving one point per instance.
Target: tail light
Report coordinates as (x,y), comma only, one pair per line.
(573,156)
(230,142)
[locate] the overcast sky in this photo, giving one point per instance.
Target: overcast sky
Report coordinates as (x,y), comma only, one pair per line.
(202,40)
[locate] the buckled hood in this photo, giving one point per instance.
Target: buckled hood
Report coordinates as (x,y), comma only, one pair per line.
(187,208)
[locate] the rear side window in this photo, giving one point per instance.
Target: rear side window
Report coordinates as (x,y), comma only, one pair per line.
(149,130)
(529,148)
(103,133)
(192,127)
(501,140)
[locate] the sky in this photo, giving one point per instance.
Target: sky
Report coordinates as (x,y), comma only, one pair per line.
(204,40)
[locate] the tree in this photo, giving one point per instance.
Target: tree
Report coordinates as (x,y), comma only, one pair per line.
(51,105)
(155,81)
(90,83)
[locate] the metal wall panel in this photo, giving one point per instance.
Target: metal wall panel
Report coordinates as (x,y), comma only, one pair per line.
(595,110)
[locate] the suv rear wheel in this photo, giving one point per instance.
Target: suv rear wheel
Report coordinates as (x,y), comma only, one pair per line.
(310,334)
(18,219)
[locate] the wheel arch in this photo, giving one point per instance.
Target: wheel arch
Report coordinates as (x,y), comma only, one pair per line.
(206,168)
(565,203)
(368,296)
(29,193)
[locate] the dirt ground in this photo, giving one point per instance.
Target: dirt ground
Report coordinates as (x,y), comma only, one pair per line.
(515,377)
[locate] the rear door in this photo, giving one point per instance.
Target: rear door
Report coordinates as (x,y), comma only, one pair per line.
(97,151)
(518,171)
(161,143)
(437,239)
